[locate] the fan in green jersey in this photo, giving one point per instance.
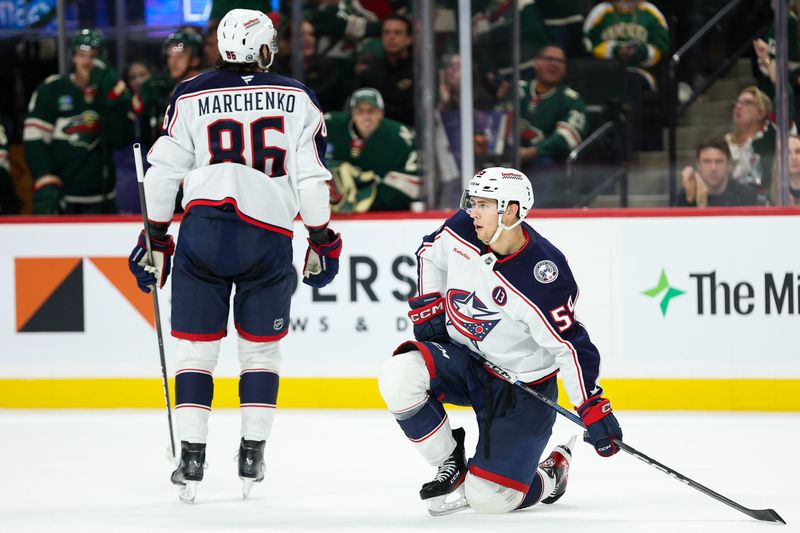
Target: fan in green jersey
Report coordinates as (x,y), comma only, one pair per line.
(73,121)
(372,158)
(552,123)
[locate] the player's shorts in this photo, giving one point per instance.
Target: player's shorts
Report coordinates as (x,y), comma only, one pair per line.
(217,250)
(514,427)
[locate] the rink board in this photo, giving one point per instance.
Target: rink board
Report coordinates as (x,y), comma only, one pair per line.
(689,311)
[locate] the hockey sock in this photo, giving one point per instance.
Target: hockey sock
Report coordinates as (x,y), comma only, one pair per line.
(194,390)
(258,393)
(541,486)
(428,428)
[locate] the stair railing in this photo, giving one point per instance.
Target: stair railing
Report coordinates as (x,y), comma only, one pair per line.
(621,175)
(674,108)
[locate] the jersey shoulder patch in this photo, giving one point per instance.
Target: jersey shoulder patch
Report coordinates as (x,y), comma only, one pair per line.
(542,275)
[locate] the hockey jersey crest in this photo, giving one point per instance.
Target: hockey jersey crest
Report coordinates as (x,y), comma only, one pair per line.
(518,311)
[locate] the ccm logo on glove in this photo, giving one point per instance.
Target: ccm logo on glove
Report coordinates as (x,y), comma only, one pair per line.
(601,425)
(426,313)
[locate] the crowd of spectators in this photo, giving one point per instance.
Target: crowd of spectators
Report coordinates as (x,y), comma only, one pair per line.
(358,58)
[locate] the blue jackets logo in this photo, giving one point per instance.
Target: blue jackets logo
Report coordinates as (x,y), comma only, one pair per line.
(469,315)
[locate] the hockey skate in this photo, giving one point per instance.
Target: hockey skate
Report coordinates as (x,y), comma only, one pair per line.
(556,466)
(190,470)
(445,493)
(251,464)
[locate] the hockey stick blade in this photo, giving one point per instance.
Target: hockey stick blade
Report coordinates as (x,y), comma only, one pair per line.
(766,515)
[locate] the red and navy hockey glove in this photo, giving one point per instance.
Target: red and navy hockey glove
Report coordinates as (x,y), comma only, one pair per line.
(145,272)
(427,315)
(601,425)
(322,259)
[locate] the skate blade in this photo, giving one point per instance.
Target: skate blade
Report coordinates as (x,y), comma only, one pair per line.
(447,504)
(188,492)
(247,485)
(570,445)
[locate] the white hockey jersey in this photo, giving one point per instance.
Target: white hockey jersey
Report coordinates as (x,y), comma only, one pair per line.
(517,311)
(254,140)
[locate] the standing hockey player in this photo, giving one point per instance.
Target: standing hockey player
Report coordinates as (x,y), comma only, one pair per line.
(248,145)
(491,287)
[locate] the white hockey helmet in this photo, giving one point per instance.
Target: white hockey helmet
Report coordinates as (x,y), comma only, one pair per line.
(241,34)
(505,185)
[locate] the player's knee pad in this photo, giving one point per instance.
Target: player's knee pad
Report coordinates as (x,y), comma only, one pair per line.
(199,355)
(266,355)
(404,381)
(486,496)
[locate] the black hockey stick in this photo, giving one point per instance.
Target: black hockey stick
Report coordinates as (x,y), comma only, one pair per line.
(767,515)
(137,158)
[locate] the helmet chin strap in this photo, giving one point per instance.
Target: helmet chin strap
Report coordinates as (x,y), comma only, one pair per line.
(501,227)
(260,60)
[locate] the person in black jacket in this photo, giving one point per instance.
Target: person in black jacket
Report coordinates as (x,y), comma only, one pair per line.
(394,76)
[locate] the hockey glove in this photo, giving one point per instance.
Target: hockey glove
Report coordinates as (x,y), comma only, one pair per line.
(601,425)
(146,273)
(322,260)
(427,315)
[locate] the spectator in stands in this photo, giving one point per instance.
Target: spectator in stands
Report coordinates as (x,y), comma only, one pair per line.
(793,173)
(450,87)
(72,123)
(752,141)
(492,28)
(552,123)
(631,31)
(136,74)
(344,30)
(637,34)
(372,158)
(709,184)
(183,51)
(9,203)
(321,74)
(764,66)
(393,77)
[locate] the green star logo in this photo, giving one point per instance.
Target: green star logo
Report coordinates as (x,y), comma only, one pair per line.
(669,292)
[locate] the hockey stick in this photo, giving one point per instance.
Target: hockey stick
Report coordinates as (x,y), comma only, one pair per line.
(767,515)
(137,158)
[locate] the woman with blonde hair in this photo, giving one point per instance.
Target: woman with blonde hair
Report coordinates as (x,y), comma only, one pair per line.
(752,141)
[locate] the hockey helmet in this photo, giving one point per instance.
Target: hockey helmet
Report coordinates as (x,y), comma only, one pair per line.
(88,39)
(241,34)
(184,40)
(505,185)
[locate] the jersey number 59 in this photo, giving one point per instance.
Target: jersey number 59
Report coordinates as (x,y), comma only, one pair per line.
(226,144)
(563,315)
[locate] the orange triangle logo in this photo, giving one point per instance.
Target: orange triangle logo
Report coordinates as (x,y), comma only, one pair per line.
(115,269)
(36,279)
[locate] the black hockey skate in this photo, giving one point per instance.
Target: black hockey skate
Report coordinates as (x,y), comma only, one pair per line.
(190,470)
(556,466)
(449,480)
(251,464)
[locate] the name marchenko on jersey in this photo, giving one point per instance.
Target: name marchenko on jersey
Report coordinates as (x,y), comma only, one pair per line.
(249,100)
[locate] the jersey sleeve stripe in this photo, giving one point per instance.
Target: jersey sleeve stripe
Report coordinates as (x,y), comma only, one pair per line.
(568,345)
(461,240)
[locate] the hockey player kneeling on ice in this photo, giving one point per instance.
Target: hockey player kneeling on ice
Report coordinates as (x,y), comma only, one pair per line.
(247,144)
(491,287)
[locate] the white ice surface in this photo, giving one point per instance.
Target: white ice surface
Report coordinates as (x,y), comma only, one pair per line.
(354,471)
